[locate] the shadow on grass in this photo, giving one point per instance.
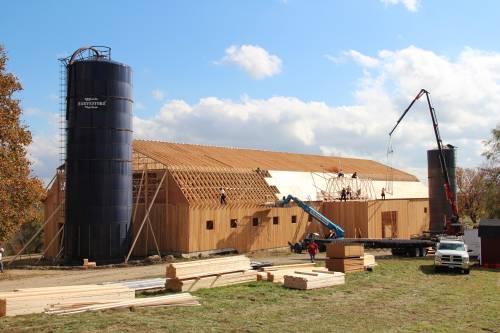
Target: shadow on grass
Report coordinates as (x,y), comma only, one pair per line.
(430,270)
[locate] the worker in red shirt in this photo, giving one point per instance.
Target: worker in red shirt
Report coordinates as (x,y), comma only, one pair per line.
(312,248)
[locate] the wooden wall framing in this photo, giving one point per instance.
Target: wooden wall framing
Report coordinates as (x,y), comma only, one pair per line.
(189,198)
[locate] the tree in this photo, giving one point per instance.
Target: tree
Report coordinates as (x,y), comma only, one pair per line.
(19,191)
(492,174)
(472,193)
(492,151)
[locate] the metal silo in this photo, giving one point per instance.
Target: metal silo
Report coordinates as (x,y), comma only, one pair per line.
(98,199)
(439,207)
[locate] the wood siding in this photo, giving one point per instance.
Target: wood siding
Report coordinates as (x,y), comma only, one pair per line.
(247,237)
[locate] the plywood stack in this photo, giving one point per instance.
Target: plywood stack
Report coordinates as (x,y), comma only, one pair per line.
(369,260)
(36,300)
(313,280)
(279,275)
(344,257)
(193,275)
(89,264)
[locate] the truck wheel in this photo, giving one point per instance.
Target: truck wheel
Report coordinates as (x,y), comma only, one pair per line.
(437,269)
(297,248)
(466,271)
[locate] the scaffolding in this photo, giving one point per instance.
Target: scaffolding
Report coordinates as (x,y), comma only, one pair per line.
(329,186)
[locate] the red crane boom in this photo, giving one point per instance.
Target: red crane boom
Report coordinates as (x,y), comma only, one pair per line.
(452,225)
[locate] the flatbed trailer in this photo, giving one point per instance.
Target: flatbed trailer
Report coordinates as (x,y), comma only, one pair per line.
(402,247)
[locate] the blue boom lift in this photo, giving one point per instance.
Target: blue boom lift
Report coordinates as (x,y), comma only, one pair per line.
(298,247)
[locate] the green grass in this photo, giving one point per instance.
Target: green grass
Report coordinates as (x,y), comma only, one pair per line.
(401,295)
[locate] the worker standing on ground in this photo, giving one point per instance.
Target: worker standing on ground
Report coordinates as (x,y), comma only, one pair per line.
(312,248)
(349,192)
(383,193)
(1,259)
(222,196)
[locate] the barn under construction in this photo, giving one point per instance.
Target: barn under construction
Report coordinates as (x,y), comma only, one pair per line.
(177,208)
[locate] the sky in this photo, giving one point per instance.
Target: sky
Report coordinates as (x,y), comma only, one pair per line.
(319,77)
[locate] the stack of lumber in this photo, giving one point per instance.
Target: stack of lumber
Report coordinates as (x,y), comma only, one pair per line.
(313,280)
(89,264)
(193,275)
(36,300)
(369,260)
(184,299)
(344,257)
(279,276)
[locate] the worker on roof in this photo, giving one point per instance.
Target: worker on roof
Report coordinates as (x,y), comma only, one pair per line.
(343,194)
(222,196)
(312,248)
(355,174)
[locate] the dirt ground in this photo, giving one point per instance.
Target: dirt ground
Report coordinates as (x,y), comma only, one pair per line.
(32,278)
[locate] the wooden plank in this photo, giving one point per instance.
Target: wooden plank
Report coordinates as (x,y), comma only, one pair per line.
(307,281)
(211,281)
(207,267)
(345,265)
(343,250)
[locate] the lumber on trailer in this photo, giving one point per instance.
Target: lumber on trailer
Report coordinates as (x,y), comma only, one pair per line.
(343,250)
(307,281)
(278,276)
(207,267)
(289,266)
(345,265)
(36,300)
(184,299)
(210,281)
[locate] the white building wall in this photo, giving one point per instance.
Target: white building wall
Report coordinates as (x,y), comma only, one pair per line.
(308,186)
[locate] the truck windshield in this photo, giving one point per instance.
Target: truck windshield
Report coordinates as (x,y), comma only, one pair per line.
(452,246)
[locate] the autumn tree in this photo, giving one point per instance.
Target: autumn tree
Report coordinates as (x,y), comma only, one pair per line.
(492,174)
(471,193)
(19,191)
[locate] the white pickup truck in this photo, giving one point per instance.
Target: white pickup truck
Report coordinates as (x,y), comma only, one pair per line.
(451,254)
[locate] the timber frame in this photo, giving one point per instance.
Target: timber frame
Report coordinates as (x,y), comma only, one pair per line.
(177,209)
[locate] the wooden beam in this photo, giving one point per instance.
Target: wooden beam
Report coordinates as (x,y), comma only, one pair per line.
(36,234)
(145,217)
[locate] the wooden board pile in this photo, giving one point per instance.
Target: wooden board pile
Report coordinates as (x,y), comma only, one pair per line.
(344,257)
(209,273)
(313,280)
(36,300)
(369,260)
(89,264)
(184,299)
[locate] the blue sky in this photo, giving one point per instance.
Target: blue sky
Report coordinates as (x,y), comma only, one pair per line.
(324,77)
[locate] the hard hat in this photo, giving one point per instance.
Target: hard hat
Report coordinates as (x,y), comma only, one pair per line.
(1,249)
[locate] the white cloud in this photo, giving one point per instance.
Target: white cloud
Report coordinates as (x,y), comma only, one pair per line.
(465,91)
(362,59)
(253,59)
(158,94)
(44,155)
(358,57)
(411,5)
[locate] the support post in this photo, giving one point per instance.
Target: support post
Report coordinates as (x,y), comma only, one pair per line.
(145,217)
(36,234)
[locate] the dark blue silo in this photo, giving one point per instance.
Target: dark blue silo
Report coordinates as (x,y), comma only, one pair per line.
(98,199)
(439,207)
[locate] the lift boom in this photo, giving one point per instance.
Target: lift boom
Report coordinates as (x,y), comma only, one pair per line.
(339,232)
